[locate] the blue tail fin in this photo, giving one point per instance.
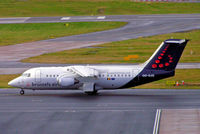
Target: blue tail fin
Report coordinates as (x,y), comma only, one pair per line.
(161,64)
(167,55)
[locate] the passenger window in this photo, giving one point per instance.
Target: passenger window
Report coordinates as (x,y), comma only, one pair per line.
(47,76)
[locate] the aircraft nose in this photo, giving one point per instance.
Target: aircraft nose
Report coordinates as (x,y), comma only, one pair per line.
(14,83)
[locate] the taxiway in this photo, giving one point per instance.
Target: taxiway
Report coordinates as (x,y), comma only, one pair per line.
(121,111)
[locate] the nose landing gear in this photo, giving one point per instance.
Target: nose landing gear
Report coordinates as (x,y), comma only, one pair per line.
(21,92)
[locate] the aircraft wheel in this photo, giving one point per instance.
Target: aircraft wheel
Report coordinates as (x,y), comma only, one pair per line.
(22,92)
(92,93)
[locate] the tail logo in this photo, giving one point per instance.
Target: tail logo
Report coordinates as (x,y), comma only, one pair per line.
(159,63)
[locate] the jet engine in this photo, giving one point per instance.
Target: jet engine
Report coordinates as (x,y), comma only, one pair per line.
(66,81)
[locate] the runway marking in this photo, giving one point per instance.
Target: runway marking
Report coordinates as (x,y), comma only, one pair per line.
(157,121)
(65,18)
(148,23)
(14,20)
(70,111)
(101,17)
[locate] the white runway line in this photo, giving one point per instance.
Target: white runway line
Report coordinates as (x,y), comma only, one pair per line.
(14,20)
(86,18)
(65,18)
(101,17)
(157,121)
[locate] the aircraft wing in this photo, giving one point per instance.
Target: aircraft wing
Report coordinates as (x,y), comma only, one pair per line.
(84,71)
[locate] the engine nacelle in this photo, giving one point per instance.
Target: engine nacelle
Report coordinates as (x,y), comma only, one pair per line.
(66,81)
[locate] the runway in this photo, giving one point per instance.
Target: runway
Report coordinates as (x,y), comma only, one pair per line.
(111,112)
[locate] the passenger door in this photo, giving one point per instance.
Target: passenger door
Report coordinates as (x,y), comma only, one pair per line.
(37,76)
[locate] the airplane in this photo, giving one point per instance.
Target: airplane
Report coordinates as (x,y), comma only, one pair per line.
(92,78)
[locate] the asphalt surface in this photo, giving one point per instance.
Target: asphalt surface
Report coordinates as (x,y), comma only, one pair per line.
(111,112)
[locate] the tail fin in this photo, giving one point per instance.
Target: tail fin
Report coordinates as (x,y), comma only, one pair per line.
(161,64)
(167,55)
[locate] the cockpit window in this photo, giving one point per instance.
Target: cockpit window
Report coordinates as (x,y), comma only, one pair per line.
(26,74)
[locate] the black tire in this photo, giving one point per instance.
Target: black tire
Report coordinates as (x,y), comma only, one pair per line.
(21,92)
(92,93)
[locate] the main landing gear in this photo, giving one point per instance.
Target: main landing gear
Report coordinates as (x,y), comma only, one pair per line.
(95,92)
(21,92)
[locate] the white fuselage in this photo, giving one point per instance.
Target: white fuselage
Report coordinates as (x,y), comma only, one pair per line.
(109,77)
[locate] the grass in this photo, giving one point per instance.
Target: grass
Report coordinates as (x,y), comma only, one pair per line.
(4,79)
(18,8)
(20,33)
(116,51)
(190,76)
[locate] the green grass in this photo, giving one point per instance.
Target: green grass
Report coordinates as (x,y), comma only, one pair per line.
(116,51)
(4,79)
(18,8)
(20,33)
(190,76)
